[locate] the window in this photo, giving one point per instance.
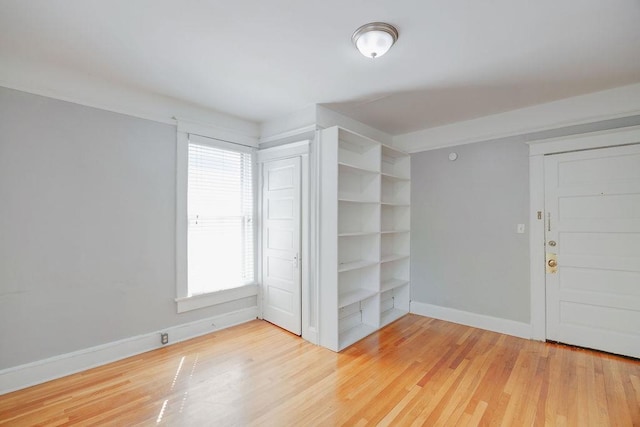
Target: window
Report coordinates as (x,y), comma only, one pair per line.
(215,232)
(220,206)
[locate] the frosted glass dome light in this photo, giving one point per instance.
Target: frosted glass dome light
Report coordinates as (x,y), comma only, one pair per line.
(375,39)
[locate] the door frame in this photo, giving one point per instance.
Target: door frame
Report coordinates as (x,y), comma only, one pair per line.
(303,150)
(537,150)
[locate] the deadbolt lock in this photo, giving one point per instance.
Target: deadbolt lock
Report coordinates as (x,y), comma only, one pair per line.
(552,242)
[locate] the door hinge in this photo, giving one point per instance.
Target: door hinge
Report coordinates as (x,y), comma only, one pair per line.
(548,221)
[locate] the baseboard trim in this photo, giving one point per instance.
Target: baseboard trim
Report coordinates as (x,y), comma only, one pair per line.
(489,323)
(29,374)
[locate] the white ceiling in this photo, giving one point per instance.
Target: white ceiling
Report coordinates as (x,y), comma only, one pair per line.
(260,60)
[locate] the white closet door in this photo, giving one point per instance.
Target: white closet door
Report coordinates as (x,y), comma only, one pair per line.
(592,202)
(281,278)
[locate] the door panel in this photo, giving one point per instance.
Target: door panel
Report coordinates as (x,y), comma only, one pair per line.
(280,208)
(279,239)
(592,199)
(280,269)
(282,303)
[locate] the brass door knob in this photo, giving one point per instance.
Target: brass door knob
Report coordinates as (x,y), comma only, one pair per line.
(552,263)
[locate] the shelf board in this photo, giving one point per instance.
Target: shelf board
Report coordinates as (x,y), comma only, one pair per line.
(354,334)
(395,204)
(348,266)
(358,233)
(390,151)
(395,231)
(350,297)
(387,285)
(393,177)
(352,200)
(353,141)
(391,315)
(392,257)
(357,169)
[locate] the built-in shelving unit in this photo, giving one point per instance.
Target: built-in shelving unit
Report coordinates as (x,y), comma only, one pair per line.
(364,243)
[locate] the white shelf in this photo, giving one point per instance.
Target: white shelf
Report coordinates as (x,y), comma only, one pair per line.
(393,177)
(395,217)
(356,169)
(391,315)
(394,231)
(387,285)
(393,190)
(356,218)
(370,185)
(392,257)
(348,266)
(353,200)
(354,296)
(390,151)
(395,163)
(358,201)
(402,205)
(355,142)
(355,334)
(359,233)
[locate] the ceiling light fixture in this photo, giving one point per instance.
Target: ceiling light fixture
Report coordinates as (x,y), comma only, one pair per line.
(375,39)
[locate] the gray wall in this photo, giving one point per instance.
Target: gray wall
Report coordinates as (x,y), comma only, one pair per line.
(465,253)
(87,228)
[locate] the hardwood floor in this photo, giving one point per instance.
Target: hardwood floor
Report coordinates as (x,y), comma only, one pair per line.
(417,371)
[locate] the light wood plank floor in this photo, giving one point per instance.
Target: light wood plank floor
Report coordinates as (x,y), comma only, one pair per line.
(417,371)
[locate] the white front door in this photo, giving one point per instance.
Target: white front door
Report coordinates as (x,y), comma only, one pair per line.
(592,227)
(281,279)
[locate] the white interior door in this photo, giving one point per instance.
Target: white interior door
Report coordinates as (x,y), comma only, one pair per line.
(281,278)
(592,202)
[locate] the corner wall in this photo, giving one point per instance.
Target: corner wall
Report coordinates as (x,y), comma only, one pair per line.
(87,230)
(465,252)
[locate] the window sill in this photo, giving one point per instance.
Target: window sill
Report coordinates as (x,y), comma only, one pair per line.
(213,298)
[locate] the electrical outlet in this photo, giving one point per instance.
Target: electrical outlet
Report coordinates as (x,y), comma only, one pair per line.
(164,338)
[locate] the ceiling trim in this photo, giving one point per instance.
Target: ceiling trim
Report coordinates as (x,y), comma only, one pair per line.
(294,133)
(604,138)
(314,117)
(290,125)
(598,106)
(135,103)
(326,118)
(84,101)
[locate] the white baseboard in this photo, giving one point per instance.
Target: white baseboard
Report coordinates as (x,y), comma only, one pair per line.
(40,371)
(495,324)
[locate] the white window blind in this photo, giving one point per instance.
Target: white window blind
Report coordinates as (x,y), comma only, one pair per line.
(220,249)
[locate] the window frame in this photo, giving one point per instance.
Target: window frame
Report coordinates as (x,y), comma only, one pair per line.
(184,302)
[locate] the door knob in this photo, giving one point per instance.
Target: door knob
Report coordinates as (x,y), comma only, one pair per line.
(552,263)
